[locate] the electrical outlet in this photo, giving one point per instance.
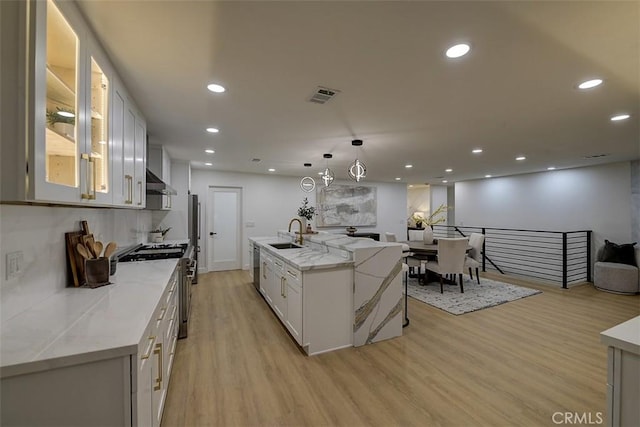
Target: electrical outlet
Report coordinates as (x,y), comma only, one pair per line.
(14,265)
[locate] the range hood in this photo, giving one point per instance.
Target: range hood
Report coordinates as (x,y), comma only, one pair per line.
(156,186)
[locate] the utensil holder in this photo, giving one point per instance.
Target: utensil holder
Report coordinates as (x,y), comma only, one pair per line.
(156,237)
(96,272)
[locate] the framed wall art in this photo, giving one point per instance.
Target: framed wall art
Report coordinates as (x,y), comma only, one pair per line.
(346,205)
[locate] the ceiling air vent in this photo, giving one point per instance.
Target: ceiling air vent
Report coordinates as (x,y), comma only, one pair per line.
(323,94)
(595,156)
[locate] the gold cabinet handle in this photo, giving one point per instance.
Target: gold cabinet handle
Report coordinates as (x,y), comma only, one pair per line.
(129,180)
(140,188)
(163,310)
(90,177)
(158,351)
(284,287)
(149,347)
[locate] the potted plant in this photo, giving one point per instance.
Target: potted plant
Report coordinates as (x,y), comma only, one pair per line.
(306,213)
(62,120)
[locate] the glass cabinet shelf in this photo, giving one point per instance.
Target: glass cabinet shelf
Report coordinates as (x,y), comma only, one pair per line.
(58,91)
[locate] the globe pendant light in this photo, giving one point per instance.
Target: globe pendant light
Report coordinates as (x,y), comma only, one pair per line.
(327,175)
(357,170)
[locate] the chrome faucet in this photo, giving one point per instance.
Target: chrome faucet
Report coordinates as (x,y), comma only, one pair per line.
(299,222)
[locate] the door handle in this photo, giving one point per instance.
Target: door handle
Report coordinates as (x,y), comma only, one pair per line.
(212,233)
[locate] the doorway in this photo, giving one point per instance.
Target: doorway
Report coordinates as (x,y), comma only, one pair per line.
(224,243)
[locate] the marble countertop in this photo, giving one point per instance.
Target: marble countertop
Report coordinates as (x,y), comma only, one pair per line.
(310,258)
(81,325)
(626,336)
(304,258)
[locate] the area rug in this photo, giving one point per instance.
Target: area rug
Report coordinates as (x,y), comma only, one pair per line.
(488,293)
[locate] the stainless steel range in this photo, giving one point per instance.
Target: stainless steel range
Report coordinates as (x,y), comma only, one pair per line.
(187,267)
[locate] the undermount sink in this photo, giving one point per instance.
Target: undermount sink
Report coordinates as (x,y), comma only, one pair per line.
(284,245)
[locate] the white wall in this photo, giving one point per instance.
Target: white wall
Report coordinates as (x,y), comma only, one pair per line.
(594,198)
(438,196)
(38,232)
(270,202)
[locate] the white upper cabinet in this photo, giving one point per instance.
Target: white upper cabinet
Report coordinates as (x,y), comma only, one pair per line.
(67,143)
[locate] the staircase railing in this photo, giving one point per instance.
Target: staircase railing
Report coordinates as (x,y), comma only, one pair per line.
(554,256)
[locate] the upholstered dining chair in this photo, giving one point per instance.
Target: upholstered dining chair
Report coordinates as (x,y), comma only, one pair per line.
(451,257)
(474,257)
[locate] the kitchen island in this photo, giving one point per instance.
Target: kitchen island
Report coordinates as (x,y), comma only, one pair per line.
(344,291)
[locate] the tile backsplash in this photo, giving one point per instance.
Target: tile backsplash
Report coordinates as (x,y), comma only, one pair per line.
(38,233)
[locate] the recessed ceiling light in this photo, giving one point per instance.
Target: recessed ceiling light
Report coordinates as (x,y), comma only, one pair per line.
(620,117)
(410,185)
(487,176)
(408,166)
(551,168)
(521,158)
(448,170)
(477,151)
(65,114)
(458,50)
(272,170)
(398,178)
(444,181)
(320,173)
(209,151)
(208,164)
(213,130)
(213,87)
(102,142)
(590,83)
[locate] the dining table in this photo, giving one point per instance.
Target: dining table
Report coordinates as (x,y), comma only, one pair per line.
(425,251)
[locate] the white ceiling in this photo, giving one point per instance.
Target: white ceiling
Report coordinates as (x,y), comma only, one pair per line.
(513,94)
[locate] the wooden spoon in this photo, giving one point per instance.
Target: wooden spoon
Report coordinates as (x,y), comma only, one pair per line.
(82,250)
(97,248)
(110,249)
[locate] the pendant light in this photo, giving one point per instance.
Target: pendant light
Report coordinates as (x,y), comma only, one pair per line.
(307,184)
(328,175)
(357,170)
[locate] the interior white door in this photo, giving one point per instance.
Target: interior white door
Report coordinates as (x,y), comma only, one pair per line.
(223,224)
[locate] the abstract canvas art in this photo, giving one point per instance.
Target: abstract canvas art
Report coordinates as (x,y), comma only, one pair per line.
(346,205)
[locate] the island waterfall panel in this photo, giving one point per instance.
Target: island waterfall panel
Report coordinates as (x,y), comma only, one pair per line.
(377,294)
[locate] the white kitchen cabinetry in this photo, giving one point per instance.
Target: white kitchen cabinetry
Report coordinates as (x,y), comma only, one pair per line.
(128,151)
(293,297)
(623,373)
(267,279)
(278,299)
(316,306)
(126,390)
(58,142)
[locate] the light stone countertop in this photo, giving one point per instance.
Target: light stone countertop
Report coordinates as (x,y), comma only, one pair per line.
(304,258)
(309,258)
(626,336)
(81,325)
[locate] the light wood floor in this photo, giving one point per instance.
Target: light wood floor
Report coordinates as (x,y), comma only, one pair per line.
(511,365)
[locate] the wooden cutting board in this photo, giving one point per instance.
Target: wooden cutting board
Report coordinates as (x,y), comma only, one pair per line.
(75,263)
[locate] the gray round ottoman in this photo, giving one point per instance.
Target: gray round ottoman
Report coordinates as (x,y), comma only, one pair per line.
(615,277)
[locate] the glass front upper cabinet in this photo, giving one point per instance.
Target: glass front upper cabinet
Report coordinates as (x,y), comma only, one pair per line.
(99,128)
(61,100)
